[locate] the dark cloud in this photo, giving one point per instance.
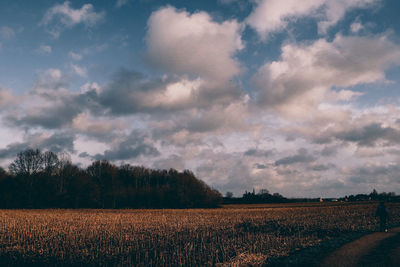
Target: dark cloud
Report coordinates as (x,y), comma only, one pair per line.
(376,170)
(121,95)
(205,123)
(57,142)
(385,175)
(64,109)
(53,117)
(288,172)
(50,87)
(368,135)
(131,92)
(254,152)
(128,93)
(302,156)
(321,167)
(133,146)
(260,166)
(12,150)
(328,151)
(84,155)
(325,138)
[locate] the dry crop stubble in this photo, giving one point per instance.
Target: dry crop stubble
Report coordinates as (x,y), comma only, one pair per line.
(225,236)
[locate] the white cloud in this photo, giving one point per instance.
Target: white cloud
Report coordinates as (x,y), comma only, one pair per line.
(173,95)
(301,79)
(180,42)
(271,16)
(177,93)
(6,98)
(86,123)
(91,86)
(81,71)
(75,56)
(69,17)
(121,3)
(356,27)
(335,11)
(51,75)
(44,49)
(6,33)
(131,92)
(50,82)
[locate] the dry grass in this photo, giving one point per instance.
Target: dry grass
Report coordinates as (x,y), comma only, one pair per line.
(232,237)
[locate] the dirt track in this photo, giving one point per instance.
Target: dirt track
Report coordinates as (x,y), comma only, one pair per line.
(377,249)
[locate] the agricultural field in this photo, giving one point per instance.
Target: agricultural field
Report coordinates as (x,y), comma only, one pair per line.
(227,236)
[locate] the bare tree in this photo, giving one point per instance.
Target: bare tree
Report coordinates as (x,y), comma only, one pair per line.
(63,168)
(50,163)
(28,162)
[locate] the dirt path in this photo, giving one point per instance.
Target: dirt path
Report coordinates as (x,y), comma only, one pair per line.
(377,249)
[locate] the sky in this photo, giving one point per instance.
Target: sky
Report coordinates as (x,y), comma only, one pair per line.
(298,97)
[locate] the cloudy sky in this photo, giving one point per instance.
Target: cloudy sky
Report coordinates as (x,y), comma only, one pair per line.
(299,97)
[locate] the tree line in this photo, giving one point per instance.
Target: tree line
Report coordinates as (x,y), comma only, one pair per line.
(374,195)
(263,196)
(37,179)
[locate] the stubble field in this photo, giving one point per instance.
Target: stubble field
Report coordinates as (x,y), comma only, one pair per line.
(227,236)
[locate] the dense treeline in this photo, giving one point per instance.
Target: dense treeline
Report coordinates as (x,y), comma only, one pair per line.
(263,196)
(48,180)
(374,195)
